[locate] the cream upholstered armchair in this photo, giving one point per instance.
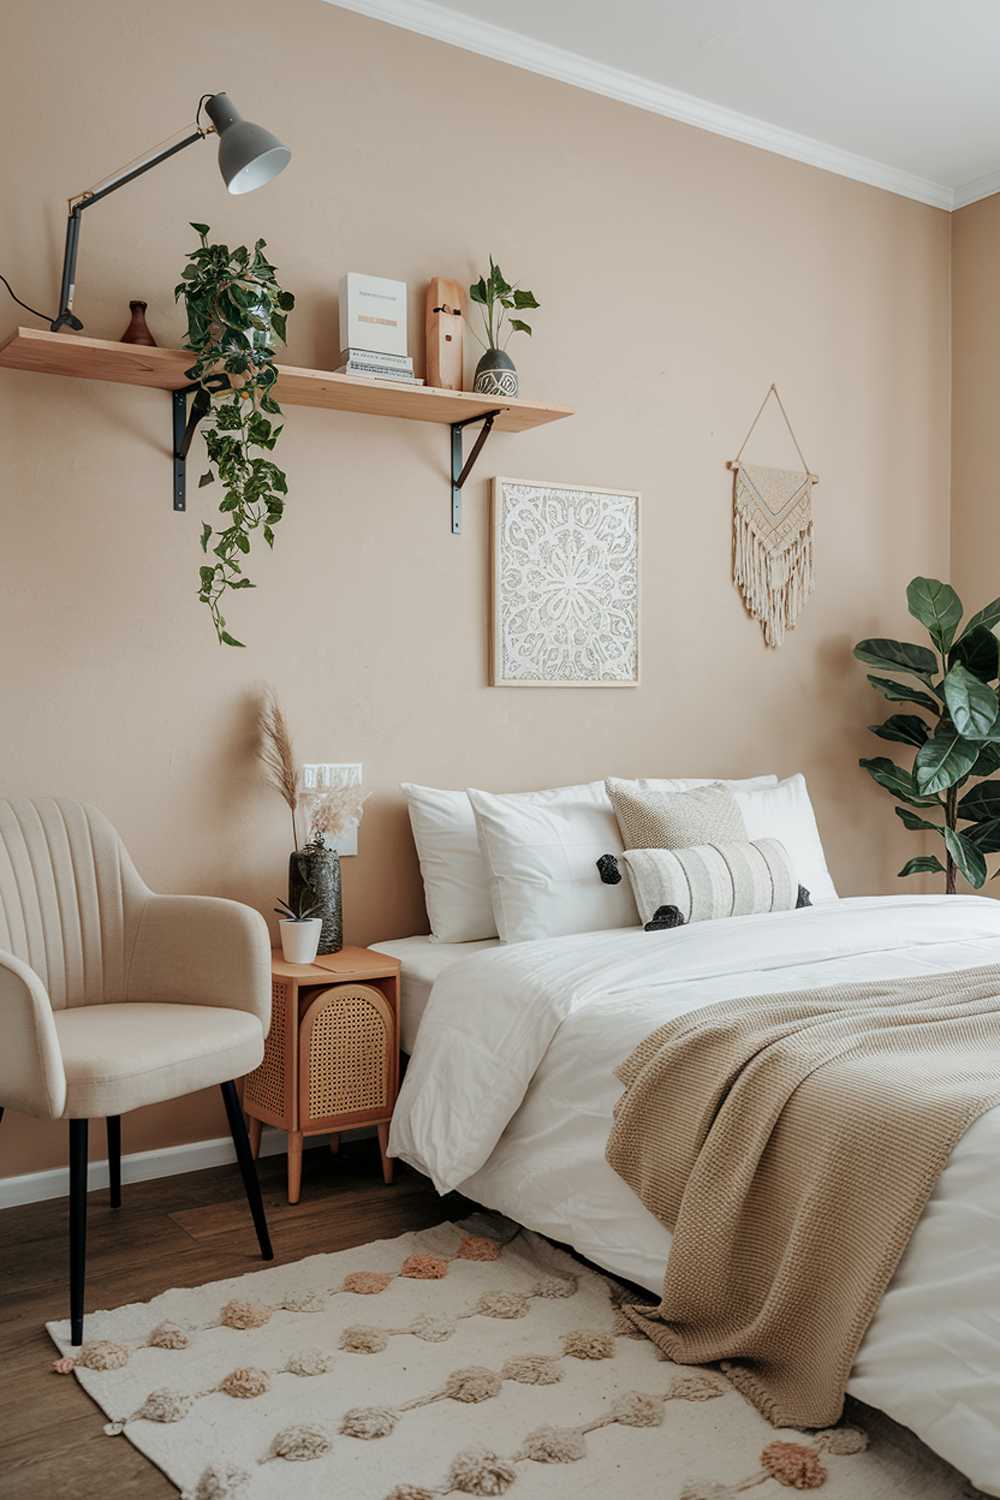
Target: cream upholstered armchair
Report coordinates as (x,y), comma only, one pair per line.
(112,997)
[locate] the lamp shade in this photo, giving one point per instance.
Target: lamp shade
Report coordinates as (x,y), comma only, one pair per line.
(249,155)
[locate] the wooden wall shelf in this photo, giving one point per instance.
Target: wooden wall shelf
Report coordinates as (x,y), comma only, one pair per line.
(47,353)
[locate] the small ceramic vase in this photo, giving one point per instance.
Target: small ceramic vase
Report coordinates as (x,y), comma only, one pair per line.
(496,375)
(137,331)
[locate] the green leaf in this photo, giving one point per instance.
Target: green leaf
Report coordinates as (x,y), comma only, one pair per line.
(207,478)
(520,325)
(525,299)
(478,291)
(286,301)
(898,692)
(229,640)
(897,656)
(897,781)
(206,532)
(978,651)
(914,822)
(945,759)
(989,760)
(905,729)
(988,616)
(966,856)
(201,229)
(280,325)
(985,836)
(937,607)
(923,864)
(982,802)
(971,702)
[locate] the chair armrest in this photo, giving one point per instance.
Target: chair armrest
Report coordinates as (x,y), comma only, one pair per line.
(202,950)
(32,1077)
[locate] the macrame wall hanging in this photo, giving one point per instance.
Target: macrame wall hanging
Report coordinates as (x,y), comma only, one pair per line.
(773,536)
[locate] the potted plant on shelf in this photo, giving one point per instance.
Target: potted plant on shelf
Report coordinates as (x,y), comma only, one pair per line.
(235,307)
(958,740)
(300,928)
(496,374)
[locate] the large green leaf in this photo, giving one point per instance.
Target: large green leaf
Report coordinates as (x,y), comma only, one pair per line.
(897,656)
(937,607)
(989,616)
(982,802)
(945,759)
(972,703)
(989,760)
(966,856)
(898,692)
(914,822)
(978,650)
(897,781)
(904,729)
(923,864)
(985,836)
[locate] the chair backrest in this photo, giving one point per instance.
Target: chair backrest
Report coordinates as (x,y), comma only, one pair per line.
(70,898)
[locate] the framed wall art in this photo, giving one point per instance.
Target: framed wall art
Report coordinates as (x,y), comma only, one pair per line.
(565,585)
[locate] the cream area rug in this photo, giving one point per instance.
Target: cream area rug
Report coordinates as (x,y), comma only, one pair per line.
(468,1359)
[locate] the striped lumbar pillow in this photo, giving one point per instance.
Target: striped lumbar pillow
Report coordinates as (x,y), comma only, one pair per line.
(732,879)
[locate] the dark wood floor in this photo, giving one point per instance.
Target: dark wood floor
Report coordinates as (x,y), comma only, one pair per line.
(176,1231)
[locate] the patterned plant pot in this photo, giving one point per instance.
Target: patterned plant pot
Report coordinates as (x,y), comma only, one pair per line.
(496,375)
(314,875)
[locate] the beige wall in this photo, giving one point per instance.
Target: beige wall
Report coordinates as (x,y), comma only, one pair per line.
(679,273)
(975,400)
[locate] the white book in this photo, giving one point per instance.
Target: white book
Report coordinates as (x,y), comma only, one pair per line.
(393,377)
(366,356)
(373,314)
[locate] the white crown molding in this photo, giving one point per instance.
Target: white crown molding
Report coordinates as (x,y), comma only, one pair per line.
(979,187)
(35,1187)
(444,25)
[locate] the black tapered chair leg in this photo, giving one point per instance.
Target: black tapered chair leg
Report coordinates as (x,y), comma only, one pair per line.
(248,1169)
(77,1226)
(114,1124)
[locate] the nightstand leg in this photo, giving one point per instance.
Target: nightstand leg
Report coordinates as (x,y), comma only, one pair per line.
(294,1166)
(388,1165)
(334,1144)
(254,1128)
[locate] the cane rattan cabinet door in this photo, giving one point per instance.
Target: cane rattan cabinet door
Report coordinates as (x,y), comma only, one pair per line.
(347,1058)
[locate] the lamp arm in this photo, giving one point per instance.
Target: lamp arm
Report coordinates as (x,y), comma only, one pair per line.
(67,289)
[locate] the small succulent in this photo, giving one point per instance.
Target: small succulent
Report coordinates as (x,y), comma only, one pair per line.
(297,913)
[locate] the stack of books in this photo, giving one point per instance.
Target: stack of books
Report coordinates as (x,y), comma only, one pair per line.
(378,366)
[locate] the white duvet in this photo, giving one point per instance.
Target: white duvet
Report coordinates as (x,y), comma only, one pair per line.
(510,1090)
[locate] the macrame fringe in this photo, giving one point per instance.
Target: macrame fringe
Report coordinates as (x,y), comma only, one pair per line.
(774,585)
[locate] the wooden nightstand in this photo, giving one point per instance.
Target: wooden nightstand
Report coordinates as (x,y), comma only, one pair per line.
(331,1061)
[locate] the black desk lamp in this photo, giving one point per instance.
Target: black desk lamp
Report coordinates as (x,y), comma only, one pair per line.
(249,156)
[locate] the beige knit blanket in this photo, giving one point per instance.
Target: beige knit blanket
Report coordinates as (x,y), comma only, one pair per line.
(790,1143)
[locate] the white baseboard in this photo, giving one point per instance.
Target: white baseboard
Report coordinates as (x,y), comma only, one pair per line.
(140,1166)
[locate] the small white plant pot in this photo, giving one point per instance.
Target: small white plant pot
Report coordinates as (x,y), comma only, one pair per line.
(300,940)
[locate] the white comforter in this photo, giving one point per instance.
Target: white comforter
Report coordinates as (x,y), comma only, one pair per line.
(510,1091)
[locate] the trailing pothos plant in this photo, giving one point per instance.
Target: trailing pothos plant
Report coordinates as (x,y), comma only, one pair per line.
(234,308)
(956,735)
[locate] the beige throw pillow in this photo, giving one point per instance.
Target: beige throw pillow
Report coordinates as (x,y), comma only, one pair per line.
(675,820)
(709,881)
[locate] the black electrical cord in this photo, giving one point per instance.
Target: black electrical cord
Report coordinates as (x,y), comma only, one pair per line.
(33,310)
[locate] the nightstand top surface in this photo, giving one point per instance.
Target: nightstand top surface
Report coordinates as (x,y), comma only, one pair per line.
(331,968)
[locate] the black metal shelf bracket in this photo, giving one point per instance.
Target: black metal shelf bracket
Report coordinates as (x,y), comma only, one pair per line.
(460,471)
(184,424)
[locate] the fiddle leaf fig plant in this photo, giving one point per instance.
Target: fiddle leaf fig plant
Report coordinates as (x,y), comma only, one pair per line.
(235,308)
(955,737)
(496,299)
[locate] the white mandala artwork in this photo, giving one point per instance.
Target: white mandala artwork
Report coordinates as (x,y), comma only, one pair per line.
(565,586)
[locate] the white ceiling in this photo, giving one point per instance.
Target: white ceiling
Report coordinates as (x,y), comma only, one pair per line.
(902,93)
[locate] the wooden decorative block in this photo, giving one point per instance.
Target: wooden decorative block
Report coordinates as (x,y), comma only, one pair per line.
(331,1060)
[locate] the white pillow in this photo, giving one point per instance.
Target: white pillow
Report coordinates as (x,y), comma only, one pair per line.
(688,783)
(456,878)
(542,850)
(785,812)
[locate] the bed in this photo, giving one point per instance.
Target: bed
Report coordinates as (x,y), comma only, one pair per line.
(510,1092)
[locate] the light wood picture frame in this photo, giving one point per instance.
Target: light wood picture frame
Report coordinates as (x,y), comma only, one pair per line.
(565,570)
